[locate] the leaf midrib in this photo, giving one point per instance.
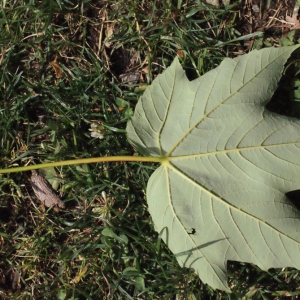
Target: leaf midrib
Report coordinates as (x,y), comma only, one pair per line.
(218,105)
(218,198)
(214,153)
(166,166)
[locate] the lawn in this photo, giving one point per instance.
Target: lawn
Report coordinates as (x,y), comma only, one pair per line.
(71,74)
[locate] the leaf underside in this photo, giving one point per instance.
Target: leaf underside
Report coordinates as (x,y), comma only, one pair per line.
(219,195)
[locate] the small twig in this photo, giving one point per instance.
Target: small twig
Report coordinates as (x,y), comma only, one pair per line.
(273,17)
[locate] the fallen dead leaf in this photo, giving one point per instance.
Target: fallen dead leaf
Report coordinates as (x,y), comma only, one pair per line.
(293,20)
(44,191)
(109,33)
(57,69)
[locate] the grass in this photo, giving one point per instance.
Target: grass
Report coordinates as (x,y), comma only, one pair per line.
(60,68)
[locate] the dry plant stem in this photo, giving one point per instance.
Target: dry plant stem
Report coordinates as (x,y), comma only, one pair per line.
(273,17)
(296,7)
(84,161)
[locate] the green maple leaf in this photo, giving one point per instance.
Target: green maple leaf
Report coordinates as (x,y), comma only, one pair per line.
(219,193)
